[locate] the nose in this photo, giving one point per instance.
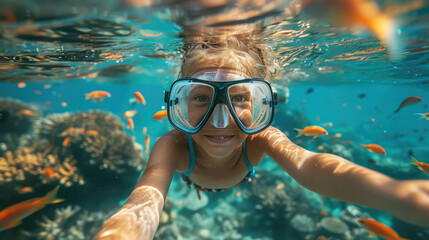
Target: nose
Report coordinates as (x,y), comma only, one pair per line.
(220,117)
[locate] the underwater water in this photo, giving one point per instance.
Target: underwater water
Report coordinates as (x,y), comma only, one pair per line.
(53,54)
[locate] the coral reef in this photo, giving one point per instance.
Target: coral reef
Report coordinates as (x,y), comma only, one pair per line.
(96,137)
(71,223)
(25,167)
(17,121)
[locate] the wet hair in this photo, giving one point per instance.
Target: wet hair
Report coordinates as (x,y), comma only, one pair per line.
(247,54)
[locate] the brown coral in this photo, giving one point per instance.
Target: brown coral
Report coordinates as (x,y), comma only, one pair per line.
(94,137)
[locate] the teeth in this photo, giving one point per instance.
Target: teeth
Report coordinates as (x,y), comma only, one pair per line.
(219,137)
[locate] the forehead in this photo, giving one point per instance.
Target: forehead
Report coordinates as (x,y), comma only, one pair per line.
(220,75)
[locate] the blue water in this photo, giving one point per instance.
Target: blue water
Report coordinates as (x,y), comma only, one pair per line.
(346,90)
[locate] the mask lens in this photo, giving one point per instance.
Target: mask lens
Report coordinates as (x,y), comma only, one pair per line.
(189,103)
(252,104)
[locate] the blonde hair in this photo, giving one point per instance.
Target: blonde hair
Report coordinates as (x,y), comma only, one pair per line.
(243,53)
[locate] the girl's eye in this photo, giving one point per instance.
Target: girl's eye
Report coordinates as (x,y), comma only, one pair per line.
(201,98)
(238,99)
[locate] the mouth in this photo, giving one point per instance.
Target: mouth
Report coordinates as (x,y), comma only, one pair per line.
(219,139)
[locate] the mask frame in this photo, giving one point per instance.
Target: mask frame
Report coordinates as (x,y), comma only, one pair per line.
(220,97)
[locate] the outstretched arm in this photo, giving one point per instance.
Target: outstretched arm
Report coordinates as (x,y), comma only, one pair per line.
(139,217)
(343,180)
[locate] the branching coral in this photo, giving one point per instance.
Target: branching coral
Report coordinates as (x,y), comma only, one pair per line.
(34,169)
(69,224)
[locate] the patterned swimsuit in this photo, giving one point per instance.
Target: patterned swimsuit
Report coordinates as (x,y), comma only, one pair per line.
(185,175)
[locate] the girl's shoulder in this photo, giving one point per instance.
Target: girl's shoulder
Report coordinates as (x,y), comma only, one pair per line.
(176,143)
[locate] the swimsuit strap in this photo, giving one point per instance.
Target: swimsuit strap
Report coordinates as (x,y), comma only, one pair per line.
(191,157)
(246,160)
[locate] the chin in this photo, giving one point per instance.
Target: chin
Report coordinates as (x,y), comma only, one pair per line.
(219,144)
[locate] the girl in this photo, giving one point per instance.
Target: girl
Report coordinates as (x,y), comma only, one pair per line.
(222,109)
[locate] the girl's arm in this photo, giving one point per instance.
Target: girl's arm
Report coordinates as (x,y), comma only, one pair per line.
(336,177)
(139,217)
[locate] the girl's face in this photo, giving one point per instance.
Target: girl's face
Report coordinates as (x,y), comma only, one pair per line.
(218,141)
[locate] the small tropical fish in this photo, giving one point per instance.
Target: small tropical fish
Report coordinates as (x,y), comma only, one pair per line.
(22,84)
(38,92)
(64,104)
(314,131)
(146,143)
(91,132)
(97,96)
(375,148)
(160,115)
(49,172)
(280,186)
(408,101)
(144,130)
(422,165)
(310,90)
(12,216)
(130,123)
(129,114)
(328,124)
(378,229)
(67,131)
(139,98)
(362,95)
(424,115)
(4,115)
(66,141)
(26,112)
(26,189)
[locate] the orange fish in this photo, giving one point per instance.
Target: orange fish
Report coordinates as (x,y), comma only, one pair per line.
(66,142)
(422,165)
(314,131)
(130,124)
(129,114)
(139,98)
(26,112)
(26,189)
(12,216)
(375,148)
(363,13)
(91,132)
(408,101)
(160,115)
(97,96)
(49,172)
(424,115)
(379,229)
(22,84)
(67,131)
(144,130)
(146,143)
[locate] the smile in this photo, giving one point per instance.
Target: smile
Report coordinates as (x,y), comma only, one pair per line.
(219,139)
